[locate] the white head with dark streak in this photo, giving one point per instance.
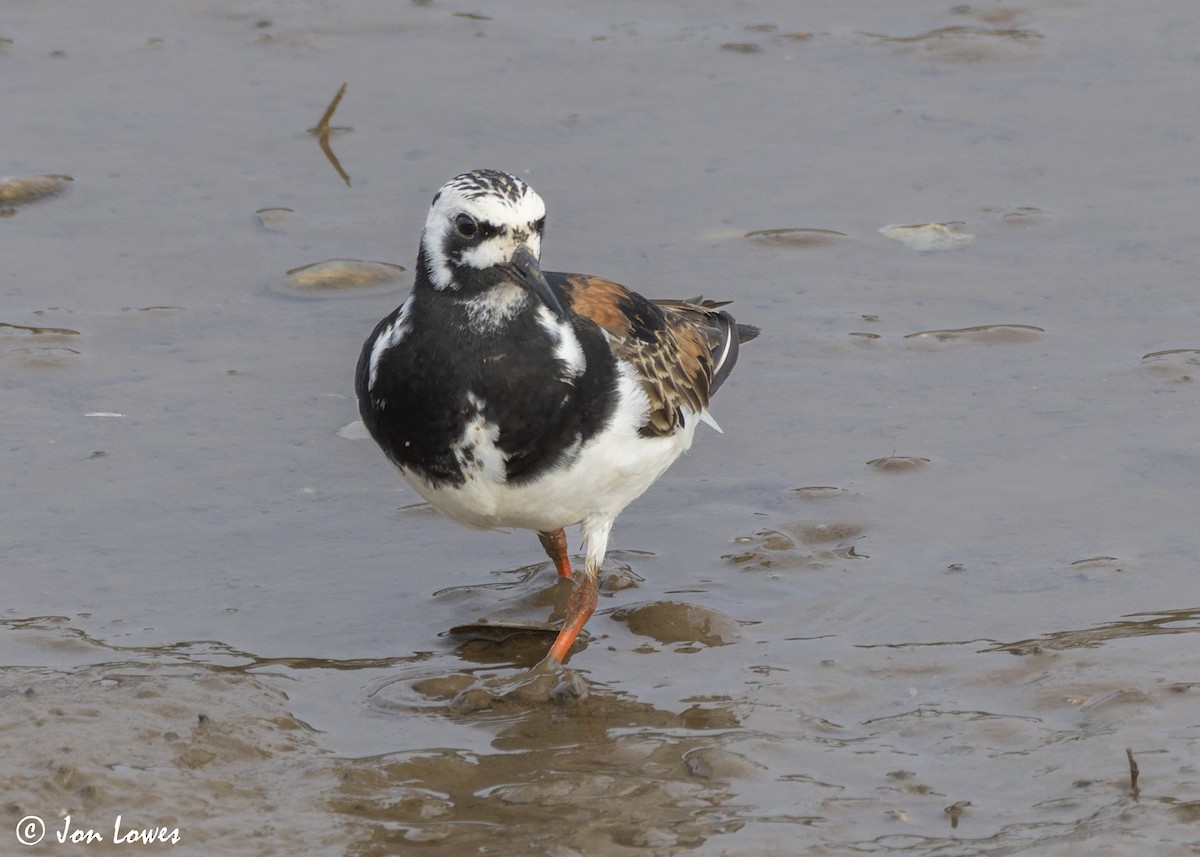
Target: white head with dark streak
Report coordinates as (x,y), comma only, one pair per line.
(483,240)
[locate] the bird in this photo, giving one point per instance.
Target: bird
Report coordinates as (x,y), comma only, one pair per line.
(512,397)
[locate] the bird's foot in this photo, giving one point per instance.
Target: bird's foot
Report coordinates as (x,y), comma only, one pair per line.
(548,682)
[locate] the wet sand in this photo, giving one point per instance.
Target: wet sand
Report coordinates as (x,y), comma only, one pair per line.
(931,584)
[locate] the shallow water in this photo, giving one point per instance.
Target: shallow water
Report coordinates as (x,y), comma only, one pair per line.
(932,581)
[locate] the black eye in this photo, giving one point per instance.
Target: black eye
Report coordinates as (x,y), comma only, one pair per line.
(466,226)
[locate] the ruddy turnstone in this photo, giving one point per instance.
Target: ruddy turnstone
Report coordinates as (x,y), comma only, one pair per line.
(512,397)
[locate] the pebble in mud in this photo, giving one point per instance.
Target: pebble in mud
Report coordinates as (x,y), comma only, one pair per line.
(927,237)
(991,334)
(619,577)
(18,190)
(714,763)
(699,717)
(39,346)
(1096,565)
(339,278)
(966,43)
(898,463)
(819,492)
(273,219)
(677,622)
(501,630)
(523,649)
(1174,365)
(796,237)
(443,686)
(833,533)
(801,545)
(472,700)
(741,47)
(1021,215)
(979,334)
(522,691)
(653,837)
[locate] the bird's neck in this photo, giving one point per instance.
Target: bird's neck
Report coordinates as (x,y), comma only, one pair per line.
(477,302)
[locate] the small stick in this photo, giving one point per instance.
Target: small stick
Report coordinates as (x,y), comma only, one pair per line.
(1133,772)
(322,129)
(955,811)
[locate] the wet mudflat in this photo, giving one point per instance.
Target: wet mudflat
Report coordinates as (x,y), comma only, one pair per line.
(934,580)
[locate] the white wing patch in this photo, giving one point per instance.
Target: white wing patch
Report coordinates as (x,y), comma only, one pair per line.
(566,344)
(388,338)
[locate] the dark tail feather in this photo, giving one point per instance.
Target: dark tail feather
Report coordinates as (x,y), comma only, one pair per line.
(746,332)
(726,355)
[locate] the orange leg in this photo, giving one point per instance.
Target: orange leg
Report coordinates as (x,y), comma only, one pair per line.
(579,609)
(555,544)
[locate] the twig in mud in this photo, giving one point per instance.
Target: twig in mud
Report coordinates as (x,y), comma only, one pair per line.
(322,129)
(1133,773)
(955,810)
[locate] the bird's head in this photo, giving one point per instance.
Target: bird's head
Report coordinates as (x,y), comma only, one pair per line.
(483,241)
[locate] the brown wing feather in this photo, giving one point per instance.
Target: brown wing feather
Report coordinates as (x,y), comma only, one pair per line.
(677,347)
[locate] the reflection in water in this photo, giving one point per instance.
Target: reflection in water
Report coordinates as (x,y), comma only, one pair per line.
(597,776)
(191,732)
(201,734)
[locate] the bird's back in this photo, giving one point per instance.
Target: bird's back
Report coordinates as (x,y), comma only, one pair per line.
(682,350)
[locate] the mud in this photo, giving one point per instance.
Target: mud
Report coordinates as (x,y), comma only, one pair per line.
(932,591)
